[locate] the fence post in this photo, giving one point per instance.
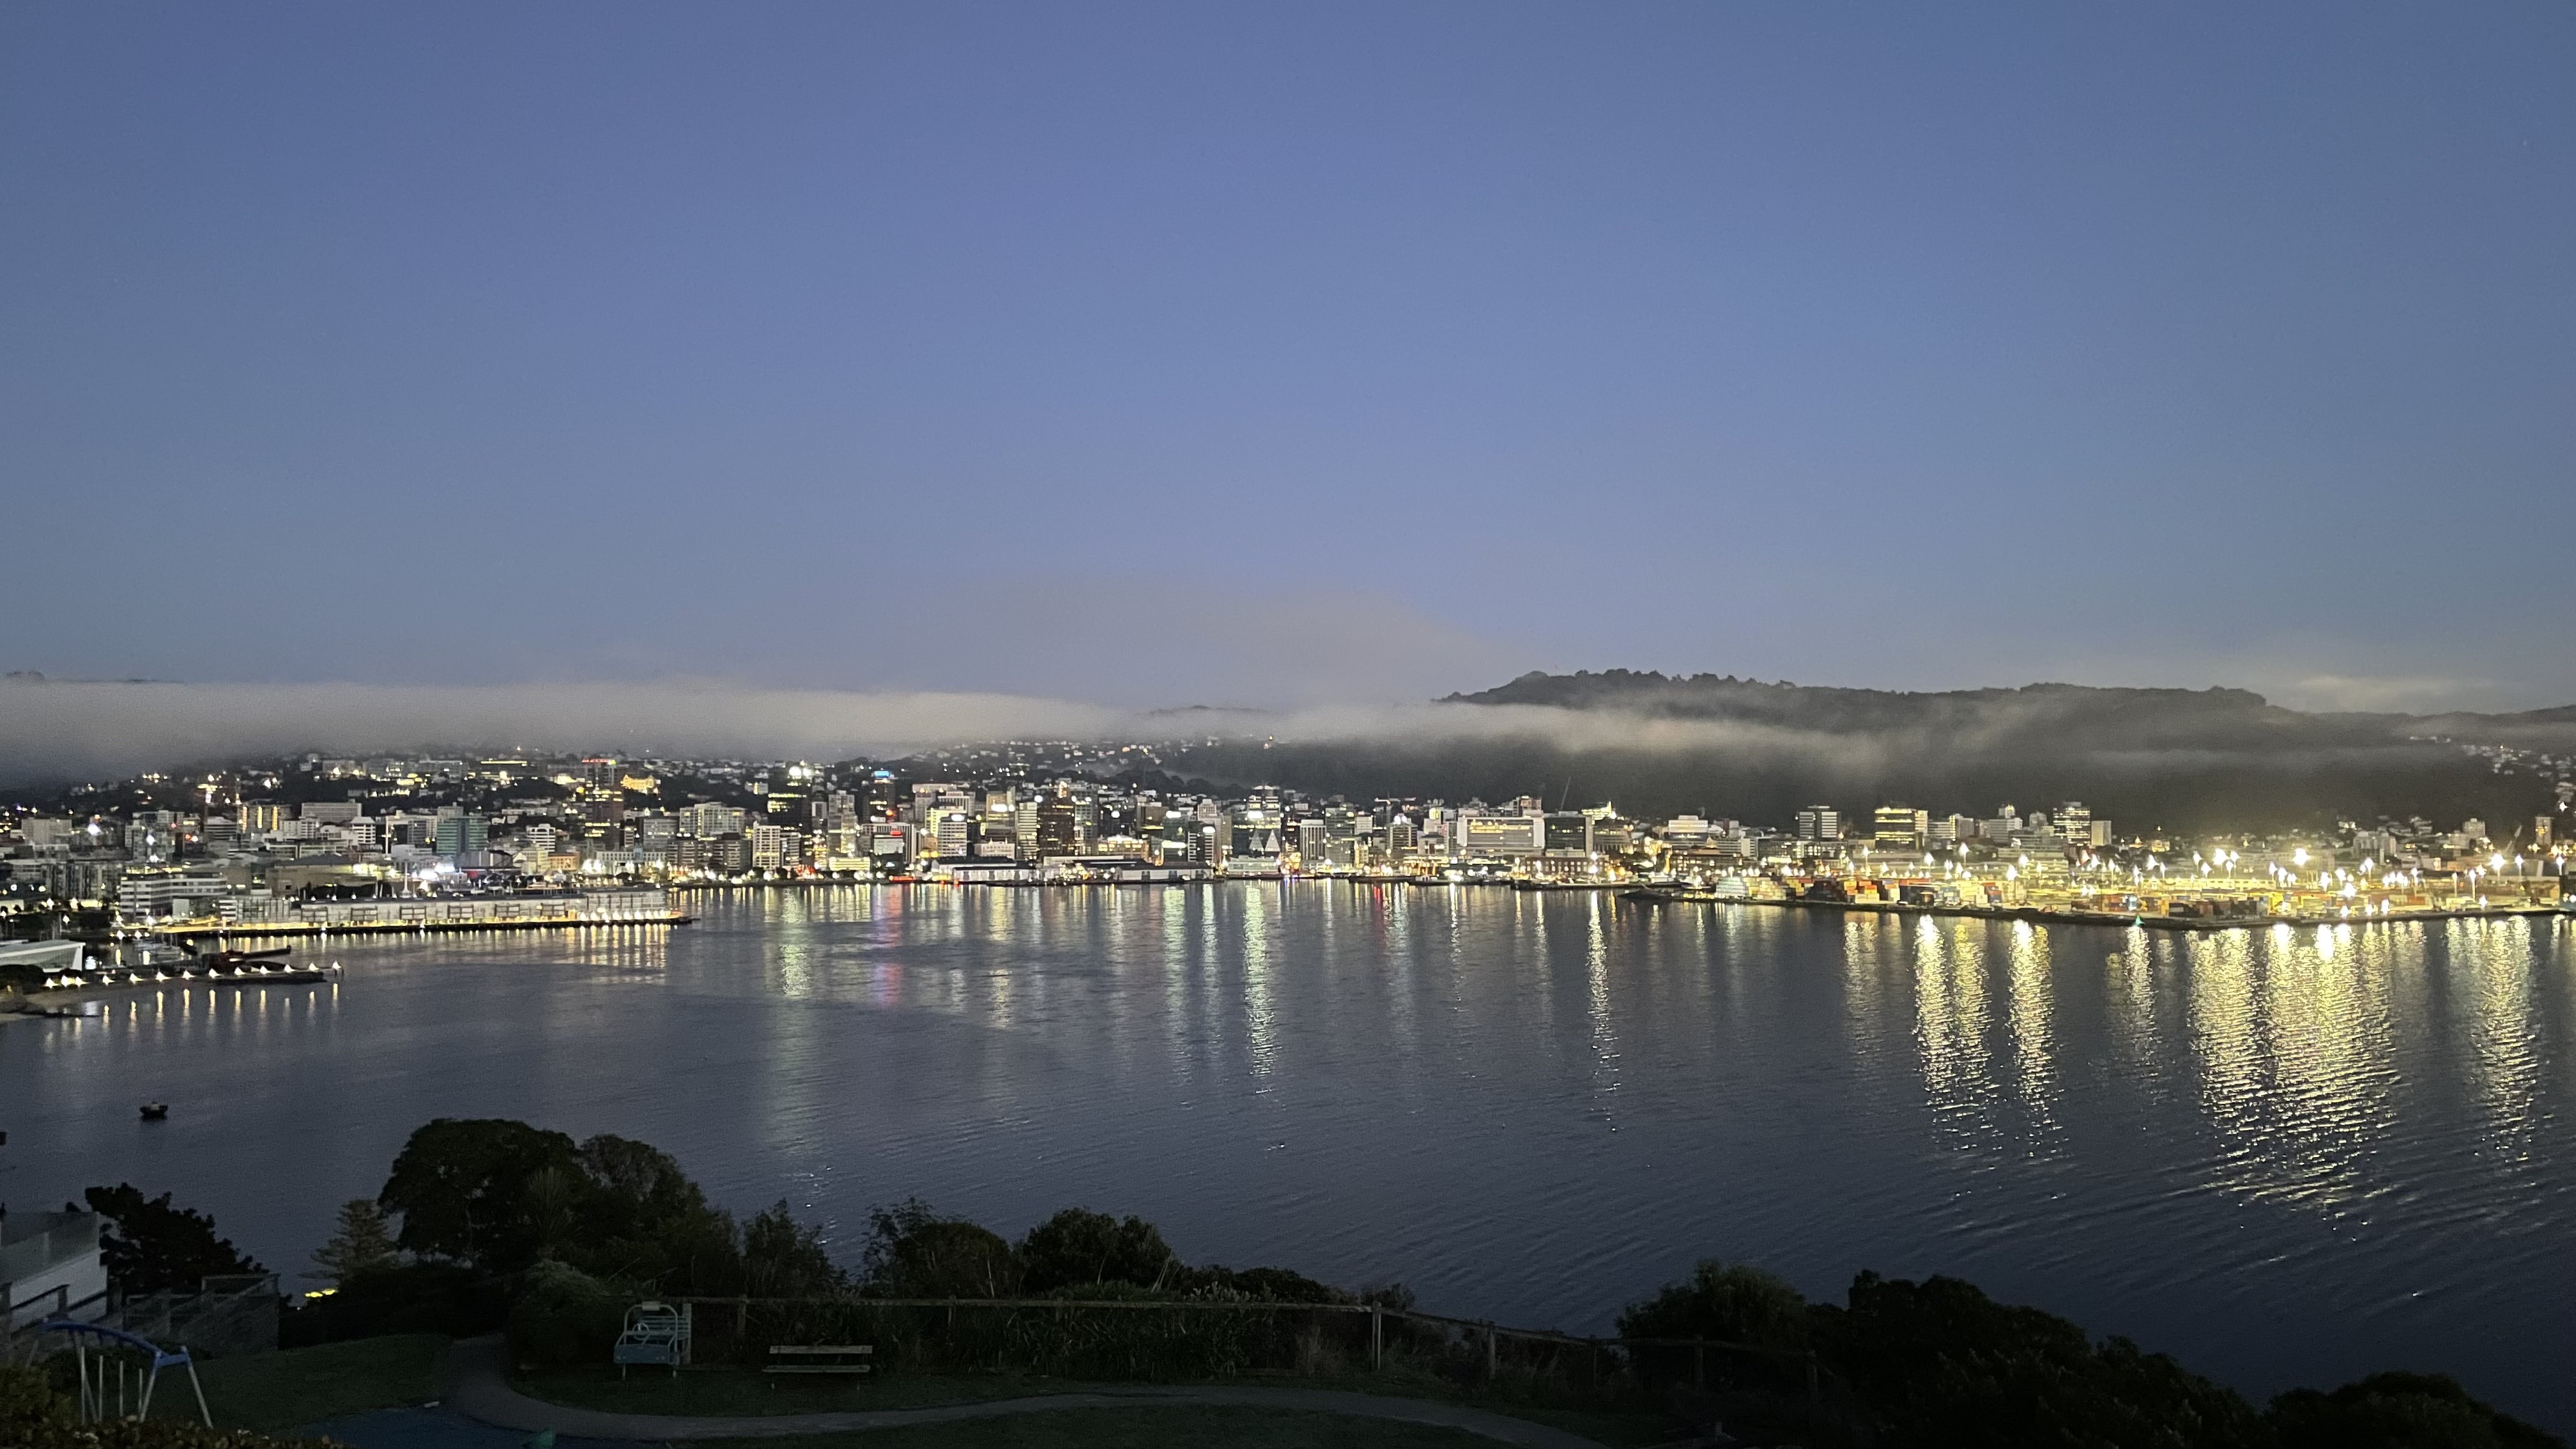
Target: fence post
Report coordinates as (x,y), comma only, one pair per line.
(1813,1393)
(1377,1338)
(1493,1369)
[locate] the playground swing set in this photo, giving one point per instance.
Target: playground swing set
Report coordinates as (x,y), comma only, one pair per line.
(120,1368)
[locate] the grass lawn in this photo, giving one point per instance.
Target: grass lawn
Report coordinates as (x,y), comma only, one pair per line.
(299,1386)
(1146,1428)
(1613,1424)
(742,1391)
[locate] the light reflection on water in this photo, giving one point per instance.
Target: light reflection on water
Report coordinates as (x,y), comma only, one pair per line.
(2284,1155)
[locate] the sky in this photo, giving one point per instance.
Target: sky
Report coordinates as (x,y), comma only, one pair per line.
(1145,355)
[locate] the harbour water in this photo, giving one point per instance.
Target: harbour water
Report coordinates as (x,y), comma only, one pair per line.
(2285,1155)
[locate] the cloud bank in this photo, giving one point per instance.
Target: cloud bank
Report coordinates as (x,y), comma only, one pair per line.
(51,731)
(73,730)
(56,731)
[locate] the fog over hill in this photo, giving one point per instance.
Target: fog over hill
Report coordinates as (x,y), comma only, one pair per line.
(1650,743)
(2177,758)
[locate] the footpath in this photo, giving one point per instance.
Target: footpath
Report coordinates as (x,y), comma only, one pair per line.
(474,1380)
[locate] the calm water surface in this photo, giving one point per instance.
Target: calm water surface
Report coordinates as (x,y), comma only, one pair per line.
(2286,1156)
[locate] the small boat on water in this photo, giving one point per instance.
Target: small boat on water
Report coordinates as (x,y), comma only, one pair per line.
(156,1111)
(236,958)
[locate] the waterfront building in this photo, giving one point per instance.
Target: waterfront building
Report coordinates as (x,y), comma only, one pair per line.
(1493,834)
(1901,827)
(50,1268)
(776,847)
(164,895)
(953,835)
(459,833)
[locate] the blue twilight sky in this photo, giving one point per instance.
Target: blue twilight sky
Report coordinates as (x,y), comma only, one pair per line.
(1152,354)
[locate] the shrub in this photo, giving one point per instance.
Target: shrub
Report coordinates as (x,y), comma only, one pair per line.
(156,1434)
(1269,1285)
(443,1298)
(34,1415)
(28,1401)
(1723,1301)
(2398,1411)
(783,1258)
(565,1316)
(1731,1303)
(1943,1365)
(914,1253)
(1118,1343)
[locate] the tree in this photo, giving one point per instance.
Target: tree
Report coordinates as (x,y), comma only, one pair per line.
(1080,1246)
(915,1253)
(463,1187)
(639,1187)
(152,1247)
(362,1242)
(642,1217)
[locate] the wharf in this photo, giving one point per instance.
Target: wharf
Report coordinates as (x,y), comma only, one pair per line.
(312,931)
(68,1000)
(2041,916)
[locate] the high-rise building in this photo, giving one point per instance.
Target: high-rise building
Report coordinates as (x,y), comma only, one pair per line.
(1820,822)
(776,847)
(2075,822)
(1060,826)
(1255,829)
(458,833)
(1901,827)
(710,820)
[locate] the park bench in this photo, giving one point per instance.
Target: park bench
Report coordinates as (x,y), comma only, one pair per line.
(657,1335)
(820,1358)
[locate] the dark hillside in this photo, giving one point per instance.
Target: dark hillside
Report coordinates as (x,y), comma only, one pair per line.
(2185,760)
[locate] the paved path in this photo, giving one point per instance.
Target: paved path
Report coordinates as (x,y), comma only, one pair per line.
(474,1377)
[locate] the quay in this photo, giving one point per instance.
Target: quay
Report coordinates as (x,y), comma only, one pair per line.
(1652,895)
(287,930)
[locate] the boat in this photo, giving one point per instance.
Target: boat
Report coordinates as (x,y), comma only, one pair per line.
(236,958)
(156,1111)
